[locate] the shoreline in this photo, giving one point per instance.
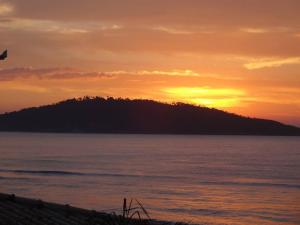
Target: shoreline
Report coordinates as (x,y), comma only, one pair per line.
(149,134)
(27,211)
(15,210)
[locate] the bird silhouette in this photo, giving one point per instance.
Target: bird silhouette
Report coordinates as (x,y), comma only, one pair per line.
(3,56)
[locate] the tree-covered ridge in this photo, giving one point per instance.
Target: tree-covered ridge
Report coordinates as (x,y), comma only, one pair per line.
(110,115)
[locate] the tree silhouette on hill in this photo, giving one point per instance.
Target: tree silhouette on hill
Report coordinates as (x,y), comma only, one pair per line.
(110,115)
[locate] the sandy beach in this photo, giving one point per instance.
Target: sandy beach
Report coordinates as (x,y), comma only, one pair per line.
(19,210)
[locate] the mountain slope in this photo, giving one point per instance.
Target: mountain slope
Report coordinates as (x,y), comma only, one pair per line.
(99,115)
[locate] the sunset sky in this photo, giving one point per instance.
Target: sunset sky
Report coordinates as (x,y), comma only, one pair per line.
(242,56)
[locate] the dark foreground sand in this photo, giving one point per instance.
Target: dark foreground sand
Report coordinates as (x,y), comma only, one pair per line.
(23,211)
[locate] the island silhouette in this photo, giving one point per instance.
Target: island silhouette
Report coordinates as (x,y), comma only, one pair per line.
(126,116)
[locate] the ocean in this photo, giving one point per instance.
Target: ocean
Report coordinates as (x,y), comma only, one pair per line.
(237,180)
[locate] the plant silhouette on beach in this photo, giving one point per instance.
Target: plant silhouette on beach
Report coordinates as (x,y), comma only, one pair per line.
(133,213)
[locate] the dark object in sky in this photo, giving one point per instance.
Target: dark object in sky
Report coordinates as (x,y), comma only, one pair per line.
(100,115)
(3,56)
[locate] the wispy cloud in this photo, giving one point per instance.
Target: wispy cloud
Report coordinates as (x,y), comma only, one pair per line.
(264,30)
(5,8)
(56,26)
(49,73)
(255,30)
(183,73)
(172,30)
(179,31)
(71,73)
(268,63)
(178,73)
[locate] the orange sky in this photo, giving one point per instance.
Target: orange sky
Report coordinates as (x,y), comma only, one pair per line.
(242,56)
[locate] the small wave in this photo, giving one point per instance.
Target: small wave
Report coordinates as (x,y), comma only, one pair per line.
(256,184)
(43,172)
(203,212)
(174,178)
(261,215)
(15,178)
(69,173)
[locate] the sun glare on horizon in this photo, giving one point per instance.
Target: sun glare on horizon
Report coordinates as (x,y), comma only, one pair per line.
(206,96)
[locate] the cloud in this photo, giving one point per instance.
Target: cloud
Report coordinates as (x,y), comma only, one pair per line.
(196,26)
(268,63)
(63,27)
(48,73)
(70,73)
(48,42)
(259,30)
(181,73)
(254,30)
(249,13)
(176,73)
(5,8)
(179,31)
(172,30)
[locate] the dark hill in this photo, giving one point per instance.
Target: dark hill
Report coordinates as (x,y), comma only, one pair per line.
(99,115)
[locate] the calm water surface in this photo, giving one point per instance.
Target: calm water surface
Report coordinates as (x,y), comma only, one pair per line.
(200,179)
